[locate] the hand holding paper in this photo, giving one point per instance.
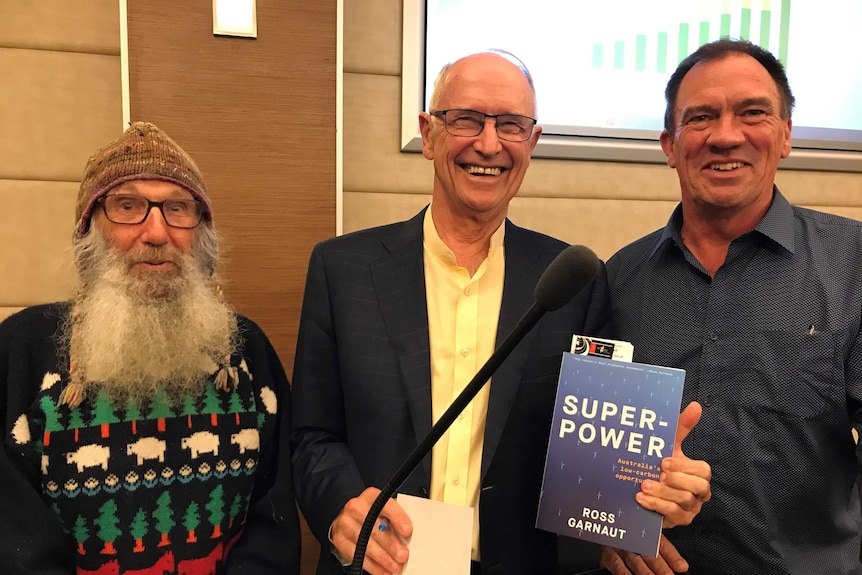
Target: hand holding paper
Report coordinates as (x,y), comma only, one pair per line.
(386,551)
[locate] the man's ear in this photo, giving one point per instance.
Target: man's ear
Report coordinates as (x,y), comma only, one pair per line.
(425,132)
(785,150)
(534,138)
(667,140)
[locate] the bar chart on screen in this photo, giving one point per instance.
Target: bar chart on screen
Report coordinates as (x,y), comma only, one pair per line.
(600,67)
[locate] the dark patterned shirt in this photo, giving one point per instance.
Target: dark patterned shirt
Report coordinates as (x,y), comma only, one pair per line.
(771,348)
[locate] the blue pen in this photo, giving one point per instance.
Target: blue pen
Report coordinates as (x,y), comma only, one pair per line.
(383,525)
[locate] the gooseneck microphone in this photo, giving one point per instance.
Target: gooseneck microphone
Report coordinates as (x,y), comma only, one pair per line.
(569,273)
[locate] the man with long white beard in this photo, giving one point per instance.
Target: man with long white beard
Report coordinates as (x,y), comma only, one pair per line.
(144,423)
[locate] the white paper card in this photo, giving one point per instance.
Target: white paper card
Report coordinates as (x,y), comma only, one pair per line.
(442,537)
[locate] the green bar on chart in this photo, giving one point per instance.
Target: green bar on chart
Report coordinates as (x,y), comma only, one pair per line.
(765,15)
(640,52)
(784,32)
(619,55)
(661,57)
(704,33)
(598,55)
(745,23)
(682,51)
(725,25)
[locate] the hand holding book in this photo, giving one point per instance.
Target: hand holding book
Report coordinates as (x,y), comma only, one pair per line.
(679,499)
(615,472)
(668,562)
(683,486)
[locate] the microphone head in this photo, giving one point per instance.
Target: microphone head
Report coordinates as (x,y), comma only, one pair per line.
(570,272)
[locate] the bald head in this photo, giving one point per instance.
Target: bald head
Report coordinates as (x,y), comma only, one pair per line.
(494,67)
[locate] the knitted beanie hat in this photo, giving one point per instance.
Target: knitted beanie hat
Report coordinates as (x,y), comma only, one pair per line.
(143,152)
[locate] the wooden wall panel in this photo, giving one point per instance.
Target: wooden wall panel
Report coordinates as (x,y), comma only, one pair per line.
(258,115)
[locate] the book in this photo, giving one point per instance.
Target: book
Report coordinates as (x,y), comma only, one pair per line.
(614,421)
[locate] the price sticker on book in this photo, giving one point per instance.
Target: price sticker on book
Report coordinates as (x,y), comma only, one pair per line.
(606,348)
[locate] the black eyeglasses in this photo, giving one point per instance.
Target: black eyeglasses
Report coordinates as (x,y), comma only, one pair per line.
(468,123)
(122,209)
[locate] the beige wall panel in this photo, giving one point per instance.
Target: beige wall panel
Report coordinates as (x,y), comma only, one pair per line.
(368,209)
(616,180)
(608,180)
(372,37)
(7,311)
(603,225)
(36,224)
(372,157)
(815,189)
(77,26)
(57,108)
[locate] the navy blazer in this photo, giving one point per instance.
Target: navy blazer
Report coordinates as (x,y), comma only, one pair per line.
(362,385)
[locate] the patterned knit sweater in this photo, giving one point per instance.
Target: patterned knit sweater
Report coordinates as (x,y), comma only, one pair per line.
(197,487)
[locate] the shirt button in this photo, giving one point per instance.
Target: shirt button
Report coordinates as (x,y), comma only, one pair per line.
(713,336)
(460,416)
(456,480)
(707,401)
(468,291)
(706,532)
(464,352)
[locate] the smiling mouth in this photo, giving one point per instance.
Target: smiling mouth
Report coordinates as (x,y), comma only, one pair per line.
(155,264)
(726,167)
(482,171)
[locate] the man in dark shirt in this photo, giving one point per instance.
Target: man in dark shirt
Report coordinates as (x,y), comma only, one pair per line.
(760,302)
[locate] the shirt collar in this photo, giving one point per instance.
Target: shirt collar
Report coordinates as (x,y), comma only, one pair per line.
(440,250)
(777,224)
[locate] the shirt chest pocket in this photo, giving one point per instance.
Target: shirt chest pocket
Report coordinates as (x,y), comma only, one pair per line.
(791,373)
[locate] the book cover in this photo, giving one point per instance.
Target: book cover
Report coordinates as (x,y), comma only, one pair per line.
(614,421)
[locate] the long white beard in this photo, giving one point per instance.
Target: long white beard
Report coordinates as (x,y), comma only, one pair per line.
(133,334)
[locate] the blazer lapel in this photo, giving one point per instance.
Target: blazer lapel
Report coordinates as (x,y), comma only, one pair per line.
(518,285)
(399,280)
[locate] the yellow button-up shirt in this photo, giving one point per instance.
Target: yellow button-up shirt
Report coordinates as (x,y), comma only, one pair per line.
(462,323)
